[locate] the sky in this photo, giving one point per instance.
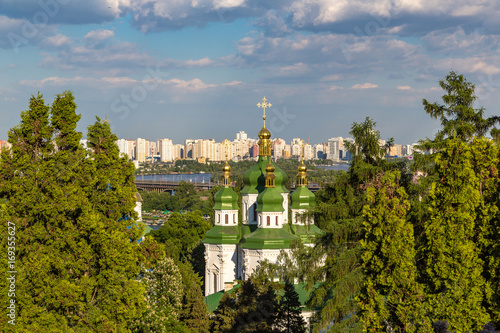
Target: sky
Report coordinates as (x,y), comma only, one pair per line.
(196,69)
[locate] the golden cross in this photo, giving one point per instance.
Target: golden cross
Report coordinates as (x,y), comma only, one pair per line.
(264,105)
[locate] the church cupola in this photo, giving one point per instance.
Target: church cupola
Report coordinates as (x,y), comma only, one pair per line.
(264,134)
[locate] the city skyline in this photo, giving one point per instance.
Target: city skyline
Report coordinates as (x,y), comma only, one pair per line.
(198,68)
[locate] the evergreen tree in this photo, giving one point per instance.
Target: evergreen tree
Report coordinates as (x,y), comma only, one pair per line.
(453,267)
(194,314)
(339,213)
(458,116)
(390,298)
(288,317)
(225,315)
(76,264)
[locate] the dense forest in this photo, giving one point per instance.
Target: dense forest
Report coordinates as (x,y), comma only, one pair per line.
(409,246)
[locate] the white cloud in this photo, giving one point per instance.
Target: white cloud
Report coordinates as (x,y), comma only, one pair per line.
(99,35)
(366,85)
(403,87)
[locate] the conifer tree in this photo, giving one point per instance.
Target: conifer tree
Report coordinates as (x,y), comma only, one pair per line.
(194,313)
(453,267)
(288,317)
(76,264)
(339,213)
(390,299)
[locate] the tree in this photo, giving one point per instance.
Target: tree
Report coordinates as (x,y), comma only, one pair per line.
(458,117)
(288,317)
(194,313)
(339,213)
(182,234)
(164,288)
(77,265)
(454,269)
(391,298)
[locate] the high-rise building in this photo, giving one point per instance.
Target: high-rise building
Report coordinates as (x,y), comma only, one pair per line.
(141,149)
(334,147)
(308,152)
(241,136)
(166,149)
(123,147)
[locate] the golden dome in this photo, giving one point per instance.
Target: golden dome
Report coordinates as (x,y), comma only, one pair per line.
(270,167)
(264,133)
(302,167)
(226,167)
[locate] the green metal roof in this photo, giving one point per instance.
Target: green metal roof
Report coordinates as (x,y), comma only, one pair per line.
(223,235)
(254,180)
(270,200)
(302,198)
(307,233)
(213,300)
(226,199)
(268,238)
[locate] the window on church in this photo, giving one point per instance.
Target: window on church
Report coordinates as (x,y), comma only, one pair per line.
(269,220)
(227,219)
(255,211)
(218,218)
(234,218)
(276,221)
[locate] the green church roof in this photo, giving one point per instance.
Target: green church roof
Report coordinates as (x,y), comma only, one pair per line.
(223,235)
(268,238)
(226,199)
(307,233)
(254,180)
(270,200)
(303,198)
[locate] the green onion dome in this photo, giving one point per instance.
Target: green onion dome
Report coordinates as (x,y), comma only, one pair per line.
(303,198)
(226,199)
(254,178)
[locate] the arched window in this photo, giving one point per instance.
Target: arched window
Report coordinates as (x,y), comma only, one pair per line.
(269,220)
(218,218)
(255,211)
(276,220)
(234,218)
(227,219)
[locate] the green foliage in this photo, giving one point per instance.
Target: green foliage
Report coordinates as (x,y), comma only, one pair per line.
(251,307)
(288,317)
(453,266)
(391,297)
(163,297)
(77,265)
(194,314)
(458,117)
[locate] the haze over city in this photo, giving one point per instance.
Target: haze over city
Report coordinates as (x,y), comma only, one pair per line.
(197,69)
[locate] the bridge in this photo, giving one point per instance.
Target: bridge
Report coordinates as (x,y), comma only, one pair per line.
(159,186)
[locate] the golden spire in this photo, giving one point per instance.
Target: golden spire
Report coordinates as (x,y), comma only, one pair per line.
(264,134)
(270,176)
(302,175)
(226,176)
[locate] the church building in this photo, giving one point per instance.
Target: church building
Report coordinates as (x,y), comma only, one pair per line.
(234,251)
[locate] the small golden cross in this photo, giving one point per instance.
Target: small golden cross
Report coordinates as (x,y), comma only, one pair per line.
(264,105)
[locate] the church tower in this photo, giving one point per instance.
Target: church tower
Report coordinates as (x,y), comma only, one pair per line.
(271,235)
(254,178)
(235,251)
(221,253)
(302,201)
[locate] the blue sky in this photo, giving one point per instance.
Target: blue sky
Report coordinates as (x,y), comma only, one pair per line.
(196,69)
